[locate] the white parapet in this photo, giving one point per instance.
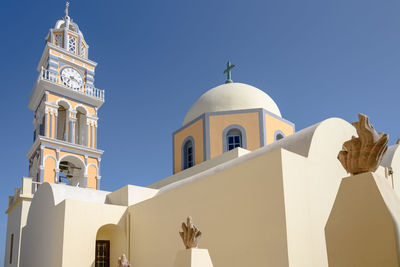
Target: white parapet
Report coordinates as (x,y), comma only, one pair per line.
(194,257)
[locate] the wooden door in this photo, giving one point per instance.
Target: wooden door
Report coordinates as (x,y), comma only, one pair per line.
(102,253)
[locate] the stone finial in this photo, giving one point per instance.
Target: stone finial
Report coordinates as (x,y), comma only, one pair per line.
(363,153)
(190,235)
(66,9)
(123,261)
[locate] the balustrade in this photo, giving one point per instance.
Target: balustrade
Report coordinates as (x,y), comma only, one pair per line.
(65,82)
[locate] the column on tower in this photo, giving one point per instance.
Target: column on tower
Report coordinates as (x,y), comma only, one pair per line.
(92,131)
(72,122)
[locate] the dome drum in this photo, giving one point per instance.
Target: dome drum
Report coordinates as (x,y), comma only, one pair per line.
(231,96)
(228,116)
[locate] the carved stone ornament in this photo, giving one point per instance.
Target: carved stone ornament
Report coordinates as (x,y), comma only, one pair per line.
(363,153)
(123,261)
(190,234)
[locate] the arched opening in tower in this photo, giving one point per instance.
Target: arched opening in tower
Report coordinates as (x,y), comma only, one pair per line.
(81,127)
(72,171)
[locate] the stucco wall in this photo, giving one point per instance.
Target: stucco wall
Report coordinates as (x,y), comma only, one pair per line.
(42,241)
(81,229)
(363,226)
(63,223)
(117,237)
(249,121)
(274,124)
(15,222)
(232,207)
(228,195)
(49,170)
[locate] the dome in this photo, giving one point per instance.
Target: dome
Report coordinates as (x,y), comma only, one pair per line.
(231,96)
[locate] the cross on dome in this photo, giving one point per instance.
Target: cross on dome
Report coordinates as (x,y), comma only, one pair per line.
(228,70)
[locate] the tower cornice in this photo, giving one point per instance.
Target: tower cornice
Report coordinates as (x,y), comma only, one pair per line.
(49,142)
(62,51)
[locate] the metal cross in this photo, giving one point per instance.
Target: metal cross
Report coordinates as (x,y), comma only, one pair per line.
(228,70)
(66,8)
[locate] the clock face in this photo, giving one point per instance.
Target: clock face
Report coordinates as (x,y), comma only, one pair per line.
(71,78)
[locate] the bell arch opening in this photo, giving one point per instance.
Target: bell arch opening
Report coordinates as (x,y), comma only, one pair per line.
(81,127)
(72,171)
(62,116)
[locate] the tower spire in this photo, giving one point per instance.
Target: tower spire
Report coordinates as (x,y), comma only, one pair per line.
(66,9)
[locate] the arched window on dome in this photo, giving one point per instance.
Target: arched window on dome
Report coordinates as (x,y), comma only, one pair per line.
(233,136)
(234,139)
(279,135)
(188,153)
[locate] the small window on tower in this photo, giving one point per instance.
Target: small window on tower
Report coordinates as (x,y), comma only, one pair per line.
(11,247)
(58,39)
(72,44)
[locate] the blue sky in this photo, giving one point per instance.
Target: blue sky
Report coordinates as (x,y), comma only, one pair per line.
(317,59)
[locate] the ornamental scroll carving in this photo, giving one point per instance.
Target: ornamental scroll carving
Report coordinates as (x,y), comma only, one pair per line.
(190,234)
(363,153)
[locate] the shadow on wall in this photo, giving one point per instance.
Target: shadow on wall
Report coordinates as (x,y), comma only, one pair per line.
(111,243)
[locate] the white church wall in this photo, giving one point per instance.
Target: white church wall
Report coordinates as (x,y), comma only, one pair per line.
(310,181)
(129,195)
(392,159)
(16,220)
(311,184)
(363,227)
(117,237)
(324,176)
(64,234)
(42,237)
(205,165)
(240,211)
(297,209)
(83,220)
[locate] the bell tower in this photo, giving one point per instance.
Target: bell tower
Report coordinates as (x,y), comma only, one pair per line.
(65,103)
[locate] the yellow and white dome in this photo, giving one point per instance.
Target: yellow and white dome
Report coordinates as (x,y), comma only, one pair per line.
(231,96)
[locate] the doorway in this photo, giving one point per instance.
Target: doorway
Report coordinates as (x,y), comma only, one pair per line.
(102,253)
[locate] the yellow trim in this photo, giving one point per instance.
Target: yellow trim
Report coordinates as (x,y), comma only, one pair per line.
(273,124)
(52,52)
(73,34)
(72,60)
(218,123)
(53,99)
(49,170)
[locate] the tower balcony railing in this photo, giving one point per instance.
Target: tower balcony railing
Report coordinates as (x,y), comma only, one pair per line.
(71,83)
